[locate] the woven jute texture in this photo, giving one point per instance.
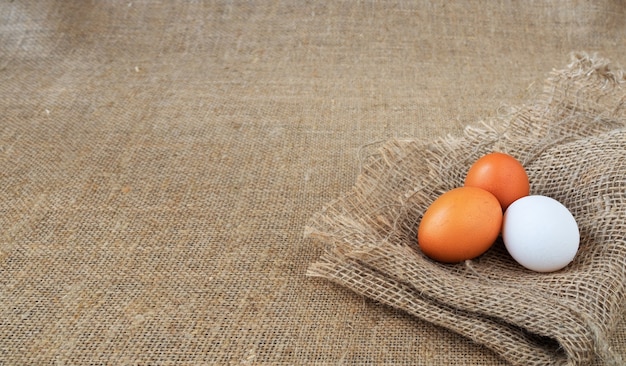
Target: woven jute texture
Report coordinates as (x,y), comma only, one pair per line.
(572,141)
(160,159)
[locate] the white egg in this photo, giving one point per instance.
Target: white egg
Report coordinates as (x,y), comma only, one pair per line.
(540,233)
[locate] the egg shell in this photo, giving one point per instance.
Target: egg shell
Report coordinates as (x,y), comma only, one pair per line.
(461,224)
(540,233)
(502,175)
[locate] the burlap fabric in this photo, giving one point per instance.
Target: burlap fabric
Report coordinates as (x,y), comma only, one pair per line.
(572,141)
(159,161)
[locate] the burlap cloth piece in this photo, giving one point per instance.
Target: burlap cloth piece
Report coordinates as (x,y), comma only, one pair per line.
(572,141)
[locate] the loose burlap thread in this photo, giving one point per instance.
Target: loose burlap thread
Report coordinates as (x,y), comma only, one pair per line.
(572,141)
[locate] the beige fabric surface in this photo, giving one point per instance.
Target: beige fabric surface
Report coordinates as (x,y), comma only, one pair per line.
(159,161)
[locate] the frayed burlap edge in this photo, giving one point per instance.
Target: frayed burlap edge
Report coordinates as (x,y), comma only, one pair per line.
(572,141)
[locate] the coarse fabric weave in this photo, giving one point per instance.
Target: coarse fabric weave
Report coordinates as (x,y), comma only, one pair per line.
(159,161)
(572,142)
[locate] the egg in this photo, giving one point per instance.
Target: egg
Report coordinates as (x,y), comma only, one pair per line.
(461,224)
(540,233)
(502,175)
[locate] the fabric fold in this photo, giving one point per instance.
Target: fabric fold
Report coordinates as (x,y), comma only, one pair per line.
(572,142)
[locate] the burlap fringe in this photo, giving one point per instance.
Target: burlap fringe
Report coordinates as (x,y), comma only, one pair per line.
(572,141)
